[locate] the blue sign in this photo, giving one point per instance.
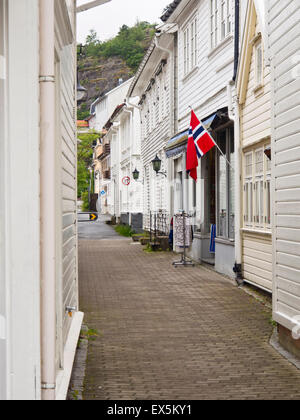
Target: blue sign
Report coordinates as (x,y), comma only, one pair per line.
(102,193)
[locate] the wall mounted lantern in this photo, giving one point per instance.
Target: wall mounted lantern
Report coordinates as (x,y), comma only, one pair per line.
(136,175)
(81,91)
(156,163)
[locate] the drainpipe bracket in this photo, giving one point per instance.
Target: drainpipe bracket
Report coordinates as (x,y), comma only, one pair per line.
(46,79)
(48,386)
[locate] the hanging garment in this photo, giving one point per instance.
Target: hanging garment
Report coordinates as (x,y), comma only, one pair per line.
(213,232)
(182,231)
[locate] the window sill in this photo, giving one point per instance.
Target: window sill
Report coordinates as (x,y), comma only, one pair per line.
(258,90)
(189,74)
(257,231)
(224,241)
(226,41)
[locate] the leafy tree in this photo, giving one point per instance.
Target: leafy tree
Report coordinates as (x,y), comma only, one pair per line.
(92,44)
(130,44)
(85,160)
(83,112)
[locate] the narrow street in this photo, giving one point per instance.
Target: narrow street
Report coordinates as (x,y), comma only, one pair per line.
(165,333)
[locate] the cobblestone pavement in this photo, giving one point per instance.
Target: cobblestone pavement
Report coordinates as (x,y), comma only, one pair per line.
(166,333)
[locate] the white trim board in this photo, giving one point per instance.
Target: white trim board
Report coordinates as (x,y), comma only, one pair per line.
(64,376)
(2,67)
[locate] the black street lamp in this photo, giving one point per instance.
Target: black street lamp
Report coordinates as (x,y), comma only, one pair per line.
(81,91)
(136,175)
(156,162)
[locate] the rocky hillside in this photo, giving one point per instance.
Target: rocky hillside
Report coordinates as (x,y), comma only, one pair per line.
(100,75)
(102,64)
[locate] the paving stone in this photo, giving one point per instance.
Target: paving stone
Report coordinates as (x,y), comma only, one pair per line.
(166,333)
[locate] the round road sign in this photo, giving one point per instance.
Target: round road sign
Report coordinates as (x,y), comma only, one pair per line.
(126,181)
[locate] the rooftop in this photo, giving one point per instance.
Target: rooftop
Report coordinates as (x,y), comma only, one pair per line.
(169,10)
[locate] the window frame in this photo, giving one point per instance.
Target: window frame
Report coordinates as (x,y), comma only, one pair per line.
(221,24)
(257,200)
(190,46)
(229,226)
(258,63)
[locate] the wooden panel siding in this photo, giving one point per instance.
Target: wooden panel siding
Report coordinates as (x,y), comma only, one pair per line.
(204,88)
(257,260)
(256,111)
(68,188)
(155,135)
(255,117)
(284,40)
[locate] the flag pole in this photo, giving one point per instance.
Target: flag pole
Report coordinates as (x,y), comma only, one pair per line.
(224,156)
(217,146)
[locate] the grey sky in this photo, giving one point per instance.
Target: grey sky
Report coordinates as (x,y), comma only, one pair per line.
(108,18)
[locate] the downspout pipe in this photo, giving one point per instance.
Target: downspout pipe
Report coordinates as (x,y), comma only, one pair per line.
(238,194)
(238,155)
(130,104)
(48,199)
(236,38)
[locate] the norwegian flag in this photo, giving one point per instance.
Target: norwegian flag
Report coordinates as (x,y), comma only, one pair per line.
(200,142)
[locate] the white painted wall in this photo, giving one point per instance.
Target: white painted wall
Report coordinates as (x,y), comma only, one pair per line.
(157,124)
(108,103)
(255,133)
(284,41)
(204,88)
(20,240)
(125,141)
(3,143)
(19,246)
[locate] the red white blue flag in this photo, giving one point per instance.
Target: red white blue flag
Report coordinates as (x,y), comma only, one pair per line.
(200,142)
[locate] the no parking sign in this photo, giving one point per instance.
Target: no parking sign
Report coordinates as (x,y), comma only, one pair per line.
(126,181)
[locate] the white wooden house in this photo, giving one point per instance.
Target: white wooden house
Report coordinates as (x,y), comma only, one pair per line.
(283,20)
(207,59)
(38,223)
(155,85)
(124,195)
(254,101)
(100,113)
(103,107)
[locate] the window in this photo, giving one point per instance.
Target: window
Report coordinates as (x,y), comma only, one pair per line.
(190,47)
(220,21)
(158,102)
(257,189)
(147,122)
(214,23)
(194,43)
(186,52)
(248,188)
(225,190)
(258,64)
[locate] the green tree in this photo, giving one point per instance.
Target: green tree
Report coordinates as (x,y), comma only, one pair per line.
(83,112)
(92,44)
(85,160)
(130,44)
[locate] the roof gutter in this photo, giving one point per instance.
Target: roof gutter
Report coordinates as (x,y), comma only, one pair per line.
(91,5)
(236,38)
(141,68)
